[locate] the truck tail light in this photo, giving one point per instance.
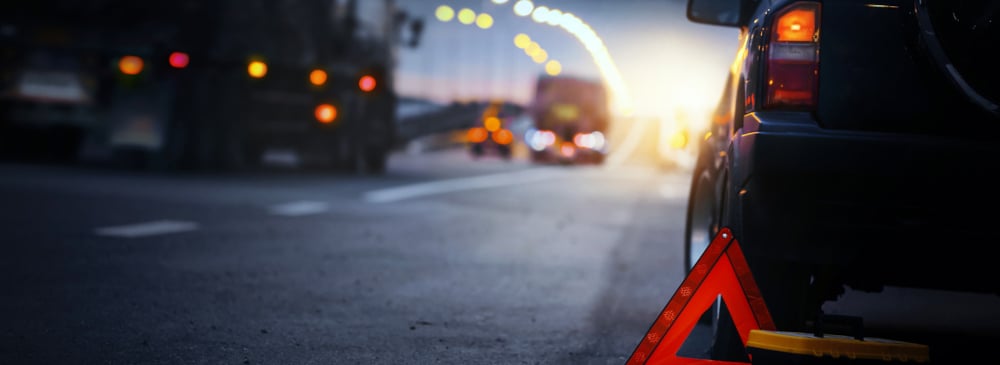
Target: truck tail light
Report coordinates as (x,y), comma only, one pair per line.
(793,57)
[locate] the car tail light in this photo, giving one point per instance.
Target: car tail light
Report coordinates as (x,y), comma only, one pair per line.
(793,57)
(130,65)
(326,113)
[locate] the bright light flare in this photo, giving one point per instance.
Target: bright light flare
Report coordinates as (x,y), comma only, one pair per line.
(524,7)
(257,69)
(444,13)
(500,2)
(130,65)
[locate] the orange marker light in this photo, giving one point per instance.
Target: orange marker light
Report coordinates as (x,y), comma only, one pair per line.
(326,113)
(798,25)
(503,137)
(366,83)
(317,77)
(179,59)
(257,69)
(130,65)
(477,135)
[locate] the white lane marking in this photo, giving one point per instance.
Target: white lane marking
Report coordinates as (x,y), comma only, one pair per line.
(460,184)
(300,208)
(147,229)
(629,145)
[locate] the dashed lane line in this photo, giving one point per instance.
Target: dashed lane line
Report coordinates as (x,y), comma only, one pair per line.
(462,184)
(300,208)
(146,229)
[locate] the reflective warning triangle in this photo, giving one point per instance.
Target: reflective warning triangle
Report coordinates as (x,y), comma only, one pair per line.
(722,269)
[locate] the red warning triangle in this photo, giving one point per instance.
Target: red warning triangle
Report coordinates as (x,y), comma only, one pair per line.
(722,269)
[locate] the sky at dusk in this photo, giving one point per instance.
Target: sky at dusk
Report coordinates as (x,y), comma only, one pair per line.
(666,62)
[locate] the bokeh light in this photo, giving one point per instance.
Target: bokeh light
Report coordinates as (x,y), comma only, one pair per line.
(366,83)
(532,49)
(553,68)
(257,69)
(484,21)
(540,14)
(130,65)
(492,124)
(326,113)
(179,59)
(523,7)
(444,13)
(540,56)
(500,2)
(522,40)
(317,77)
(466,16)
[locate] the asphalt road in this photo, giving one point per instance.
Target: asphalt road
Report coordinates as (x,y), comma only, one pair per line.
(443,260)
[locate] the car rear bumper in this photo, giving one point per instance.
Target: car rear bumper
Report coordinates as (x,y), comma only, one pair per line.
(885,208)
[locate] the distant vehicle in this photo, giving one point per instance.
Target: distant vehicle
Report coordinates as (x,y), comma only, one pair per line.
(492,135)
(203,83)
(571,117)
(857,156)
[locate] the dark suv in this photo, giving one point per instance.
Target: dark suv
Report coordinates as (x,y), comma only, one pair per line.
(853,147)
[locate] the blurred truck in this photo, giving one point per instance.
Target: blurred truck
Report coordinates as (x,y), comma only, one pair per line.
(491,134)
(571,118)
(201,83)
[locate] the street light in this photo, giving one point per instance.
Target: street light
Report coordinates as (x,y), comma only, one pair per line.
(523,7)
(444,13)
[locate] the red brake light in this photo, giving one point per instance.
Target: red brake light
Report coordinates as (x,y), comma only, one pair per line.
(793,57)
(179,59)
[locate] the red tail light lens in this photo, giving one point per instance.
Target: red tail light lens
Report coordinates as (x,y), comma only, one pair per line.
(793,57)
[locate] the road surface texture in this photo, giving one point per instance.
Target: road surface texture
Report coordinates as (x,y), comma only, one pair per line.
(444,260)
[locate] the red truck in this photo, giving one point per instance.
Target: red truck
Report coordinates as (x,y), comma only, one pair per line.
(571,118)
